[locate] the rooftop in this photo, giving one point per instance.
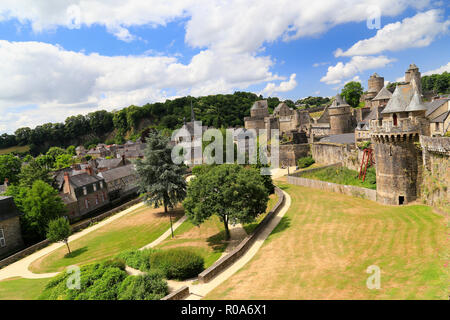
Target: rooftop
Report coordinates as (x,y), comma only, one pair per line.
(8,208)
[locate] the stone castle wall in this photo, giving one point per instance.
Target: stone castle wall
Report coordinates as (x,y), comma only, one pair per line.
(290,153)
(13,236)
(329,153)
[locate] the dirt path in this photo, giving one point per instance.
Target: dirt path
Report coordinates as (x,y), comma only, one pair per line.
(198,291)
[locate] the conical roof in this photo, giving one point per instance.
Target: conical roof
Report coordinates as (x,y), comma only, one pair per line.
(397,103)
(416,103)
(383,94)
(339,102)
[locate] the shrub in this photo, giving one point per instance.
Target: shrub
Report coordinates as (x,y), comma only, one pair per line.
(177,263)
(305,162)
(137,259)
(151,286)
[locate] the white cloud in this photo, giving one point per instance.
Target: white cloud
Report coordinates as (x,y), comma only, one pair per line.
(284,86)
(438,70)
(414,32)
(336,74)
(64,82)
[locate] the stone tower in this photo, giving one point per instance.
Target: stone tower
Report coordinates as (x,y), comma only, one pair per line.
(376,83)
(413,73)
(397,157)
(340,116)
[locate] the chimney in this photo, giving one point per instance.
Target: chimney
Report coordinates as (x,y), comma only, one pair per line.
(66,183)
(89,171)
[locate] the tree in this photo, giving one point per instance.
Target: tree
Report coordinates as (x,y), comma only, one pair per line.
(55,152)
(59,231)
(352,92)
(33,171)
(162,181)
(40,204)
(9,168)
(232,192)
(63,161)
(71,150)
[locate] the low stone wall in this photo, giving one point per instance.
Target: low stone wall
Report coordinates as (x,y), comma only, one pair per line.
(223,263)
(334,187)
(75,228)
(290,153)
(329,153)
(179,294)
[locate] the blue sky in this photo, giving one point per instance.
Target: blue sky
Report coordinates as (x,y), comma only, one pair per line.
(61,58)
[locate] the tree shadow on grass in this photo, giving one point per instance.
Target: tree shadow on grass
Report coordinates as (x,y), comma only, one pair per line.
(284,223)
(217,242)
(76,252)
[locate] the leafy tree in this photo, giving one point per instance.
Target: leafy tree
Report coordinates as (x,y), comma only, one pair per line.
(162,182)
(33,171)
(55,152)
(63,161)
(59,231)
(71,150)
(232,192)
(40,204)
(9,168)
(352,92)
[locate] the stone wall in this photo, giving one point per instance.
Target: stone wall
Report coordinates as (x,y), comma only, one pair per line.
(435,188)
(223,263)
(179,294)
(12,234)
(290,153)
(333,187)
(329,153)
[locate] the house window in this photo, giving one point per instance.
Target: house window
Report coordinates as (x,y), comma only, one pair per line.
(101,184)
(103,197)
(95,186)
(84,190)
(96,200)
(437,126)
(395,119)
(86,203)
(2,239)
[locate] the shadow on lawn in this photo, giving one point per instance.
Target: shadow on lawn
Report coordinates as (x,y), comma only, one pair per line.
(284,223)
(217,242)
(76,252)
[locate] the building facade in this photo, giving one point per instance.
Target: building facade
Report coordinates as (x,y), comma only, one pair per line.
(10,233)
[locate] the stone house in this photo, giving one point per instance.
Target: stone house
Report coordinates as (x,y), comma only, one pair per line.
(83,193)
(120,182)
(10,234)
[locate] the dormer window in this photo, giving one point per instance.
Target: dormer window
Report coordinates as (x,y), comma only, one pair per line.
(101,184)
(95,186)
(84,190)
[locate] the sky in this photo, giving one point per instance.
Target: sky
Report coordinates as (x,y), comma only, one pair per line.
(66,57)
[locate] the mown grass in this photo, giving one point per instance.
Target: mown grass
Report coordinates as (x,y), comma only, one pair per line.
(249,227)
(326,241)
(343,175)
(131,231)
(22,289)
(15,149)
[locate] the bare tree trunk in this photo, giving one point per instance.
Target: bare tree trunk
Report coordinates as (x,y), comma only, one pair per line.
(227,230)
(170,217)
(67,244)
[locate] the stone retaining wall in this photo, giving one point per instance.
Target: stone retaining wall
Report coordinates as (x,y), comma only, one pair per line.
(179,294)
(75,228)
(330,153)
(223,263)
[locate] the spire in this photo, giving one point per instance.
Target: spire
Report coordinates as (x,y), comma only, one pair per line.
(192,113)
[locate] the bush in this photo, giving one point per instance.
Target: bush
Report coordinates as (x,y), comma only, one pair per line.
(177,264)
(151,286)
(305,162)
(137,259)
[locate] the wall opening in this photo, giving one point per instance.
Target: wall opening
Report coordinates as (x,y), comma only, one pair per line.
(395,119)
(401,200)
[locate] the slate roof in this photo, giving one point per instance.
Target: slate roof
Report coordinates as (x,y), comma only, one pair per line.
(260,104)
(8,208)
(117,173)
(339,102)
(400,100)
(83,179)
(109,163)
(383,94)
(433,105)
(441,118)
(345,138)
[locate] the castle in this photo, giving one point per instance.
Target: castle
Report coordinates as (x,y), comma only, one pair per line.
(406,134)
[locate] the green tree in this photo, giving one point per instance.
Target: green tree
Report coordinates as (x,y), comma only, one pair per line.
(55,152)
(9,168)
(71,150)
(232,192)
(162,181)
(63,161)
(40,204)
(59,231)
(352,92)
(33,171)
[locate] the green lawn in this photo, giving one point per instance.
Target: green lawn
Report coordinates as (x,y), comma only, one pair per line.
(22,289)
(131,231)
(326,241)
(343,175)
(14,149)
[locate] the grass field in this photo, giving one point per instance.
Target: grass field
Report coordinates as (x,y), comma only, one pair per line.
(326,241)
(131,231)
(343,175)
(21,289)
(14,149)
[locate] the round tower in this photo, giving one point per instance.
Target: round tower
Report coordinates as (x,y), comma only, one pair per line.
(414,73)
(375,83)
(340,116)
